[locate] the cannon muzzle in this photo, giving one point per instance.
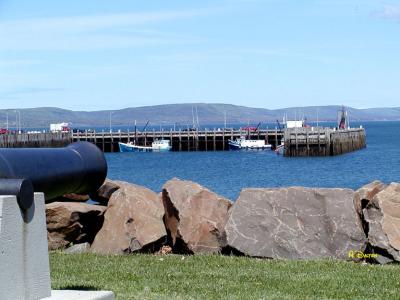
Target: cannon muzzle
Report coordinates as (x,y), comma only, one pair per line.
(78,168)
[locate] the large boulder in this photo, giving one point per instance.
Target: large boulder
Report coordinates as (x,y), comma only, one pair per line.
(70,222)
(366,193)
(195,217)
(382,215)
(133,222)
(295,223)
(104,193)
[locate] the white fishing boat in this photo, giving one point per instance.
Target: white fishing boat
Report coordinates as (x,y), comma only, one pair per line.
(161,145)
(247,144)
(157,145)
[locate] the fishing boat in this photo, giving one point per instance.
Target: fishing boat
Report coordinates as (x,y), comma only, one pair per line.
(157,145)
(247,144)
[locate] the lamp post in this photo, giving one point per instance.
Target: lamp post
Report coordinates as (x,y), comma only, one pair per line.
(16,122)
(225,119)
(19,121)
(110,122)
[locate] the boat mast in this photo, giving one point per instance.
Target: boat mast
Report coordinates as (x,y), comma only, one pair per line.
(197,116)
(193,126)
(110,121)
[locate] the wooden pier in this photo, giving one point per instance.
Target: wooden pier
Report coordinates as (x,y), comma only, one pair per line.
(323,141)
(35,140)
(310,141)
(202,140)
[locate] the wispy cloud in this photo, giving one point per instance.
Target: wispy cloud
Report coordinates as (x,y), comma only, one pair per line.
(90,32)
(389,12)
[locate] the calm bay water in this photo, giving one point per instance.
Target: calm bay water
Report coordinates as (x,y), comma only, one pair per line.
(228,172)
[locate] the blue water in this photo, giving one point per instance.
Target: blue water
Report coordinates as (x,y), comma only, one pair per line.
(228,172)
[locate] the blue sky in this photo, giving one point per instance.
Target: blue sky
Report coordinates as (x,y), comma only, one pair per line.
(102,54)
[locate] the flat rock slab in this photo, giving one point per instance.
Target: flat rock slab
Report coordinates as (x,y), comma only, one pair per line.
(133,222)
(382,215)
(295,223)
(80,295)
(78,248)
(195,217)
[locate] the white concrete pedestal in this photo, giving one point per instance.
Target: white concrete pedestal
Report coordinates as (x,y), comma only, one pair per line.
(24,258)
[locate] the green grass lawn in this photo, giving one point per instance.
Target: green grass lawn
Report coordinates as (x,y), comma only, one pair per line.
(223,277)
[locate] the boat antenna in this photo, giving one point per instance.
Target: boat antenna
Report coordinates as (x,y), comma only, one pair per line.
(144,128)
(193,126)
(279,125)
(347,118)
(343,118)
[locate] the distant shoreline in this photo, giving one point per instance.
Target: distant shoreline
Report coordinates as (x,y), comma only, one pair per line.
(184,115)
(167,126)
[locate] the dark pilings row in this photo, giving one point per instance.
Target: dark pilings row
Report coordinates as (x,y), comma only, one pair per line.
(36,140)
(323,141)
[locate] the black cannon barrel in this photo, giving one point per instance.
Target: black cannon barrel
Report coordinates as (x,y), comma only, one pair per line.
(78,168)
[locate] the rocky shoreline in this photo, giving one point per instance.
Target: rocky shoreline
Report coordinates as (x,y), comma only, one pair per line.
(275,223)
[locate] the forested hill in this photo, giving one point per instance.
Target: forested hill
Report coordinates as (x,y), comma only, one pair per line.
(182,114)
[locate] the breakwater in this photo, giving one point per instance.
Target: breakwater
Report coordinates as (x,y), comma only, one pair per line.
(187,218)
(323,141)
